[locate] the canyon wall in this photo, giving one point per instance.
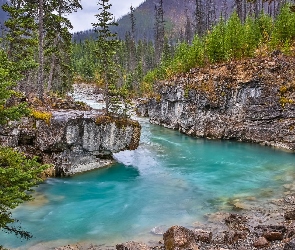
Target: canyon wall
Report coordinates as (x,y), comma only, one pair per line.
(250,100)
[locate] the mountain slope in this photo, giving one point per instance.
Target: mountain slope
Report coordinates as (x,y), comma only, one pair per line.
(175,16)
(3,15)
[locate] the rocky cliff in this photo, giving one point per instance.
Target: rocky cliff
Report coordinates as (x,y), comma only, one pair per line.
(73,141)
(251,100)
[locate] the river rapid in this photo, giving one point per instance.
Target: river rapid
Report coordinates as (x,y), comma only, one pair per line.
(170,179)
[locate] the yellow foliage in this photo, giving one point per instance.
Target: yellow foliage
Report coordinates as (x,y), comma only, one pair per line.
(41,115)
(285,101)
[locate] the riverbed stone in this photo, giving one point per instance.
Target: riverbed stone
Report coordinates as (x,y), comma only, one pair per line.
(261,242)
(178,237)
(203,236)
(290,215)
(132,245)
(273,235)
(232,236)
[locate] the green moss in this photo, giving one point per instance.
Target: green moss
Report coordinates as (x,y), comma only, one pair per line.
(120,122)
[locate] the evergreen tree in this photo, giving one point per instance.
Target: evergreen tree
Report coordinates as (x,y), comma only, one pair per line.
(21,40)
(17,174)
(58,44)
(39,32)
(106,50)
(130,42)
(40,80)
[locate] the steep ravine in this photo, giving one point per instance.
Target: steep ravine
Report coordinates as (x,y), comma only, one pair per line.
(250,100)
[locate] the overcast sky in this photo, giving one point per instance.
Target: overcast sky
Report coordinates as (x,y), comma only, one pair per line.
(82,19)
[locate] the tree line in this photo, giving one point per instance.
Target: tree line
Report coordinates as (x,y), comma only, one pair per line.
(37,38)
(210,35)
(37,57)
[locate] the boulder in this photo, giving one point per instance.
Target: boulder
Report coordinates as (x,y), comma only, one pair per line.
(272,236)
(261,242)
(178,237)
(232,236)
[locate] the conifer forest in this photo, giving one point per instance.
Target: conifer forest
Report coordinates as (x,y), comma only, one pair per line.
(41,58)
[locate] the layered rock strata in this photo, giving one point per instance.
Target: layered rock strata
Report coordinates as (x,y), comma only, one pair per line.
(251,100)
(73,141)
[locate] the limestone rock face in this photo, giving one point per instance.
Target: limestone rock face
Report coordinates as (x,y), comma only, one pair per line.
(250,101)
(73,141)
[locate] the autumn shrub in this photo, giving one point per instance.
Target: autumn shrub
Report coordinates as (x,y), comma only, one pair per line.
(42,115)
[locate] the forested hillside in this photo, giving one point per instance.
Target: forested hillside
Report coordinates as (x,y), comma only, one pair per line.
(179,15)
(160,40)
(175,13)
(180,40)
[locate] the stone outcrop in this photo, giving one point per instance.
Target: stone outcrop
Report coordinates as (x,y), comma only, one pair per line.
(251,100)
(73,141)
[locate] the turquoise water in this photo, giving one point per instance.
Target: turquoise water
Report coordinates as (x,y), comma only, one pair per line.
(170,179)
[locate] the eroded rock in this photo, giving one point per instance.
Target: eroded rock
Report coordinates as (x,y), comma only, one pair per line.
(246,101)
(178,237)
(73,141)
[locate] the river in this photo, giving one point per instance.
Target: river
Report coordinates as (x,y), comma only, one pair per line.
(170,179)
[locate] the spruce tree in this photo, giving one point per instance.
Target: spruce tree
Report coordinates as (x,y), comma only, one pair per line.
(21,40)
(107,44)
(17,174)
(58,44)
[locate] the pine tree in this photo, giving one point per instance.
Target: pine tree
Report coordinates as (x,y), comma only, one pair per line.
(21,40)
(58,44)
(131,42)
(39,32)
(106,51)
(40,81)
(17,174)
